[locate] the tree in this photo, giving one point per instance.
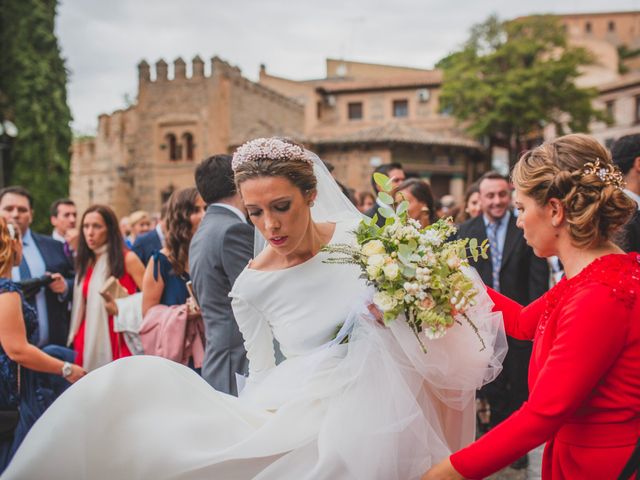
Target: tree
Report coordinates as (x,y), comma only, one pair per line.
(510,79)
(33,95)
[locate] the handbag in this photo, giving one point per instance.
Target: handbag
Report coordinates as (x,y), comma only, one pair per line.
(9,418)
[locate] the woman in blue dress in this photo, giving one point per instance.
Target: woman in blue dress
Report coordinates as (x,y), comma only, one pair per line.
(165,279)
(30,378)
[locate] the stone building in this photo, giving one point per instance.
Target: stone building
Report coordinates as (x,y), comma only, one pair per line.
(363,114)
(141,154)
(621,100)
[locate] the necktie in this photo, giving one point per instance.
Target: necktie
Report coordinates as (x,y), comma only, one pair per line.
(496,253)
(25,274)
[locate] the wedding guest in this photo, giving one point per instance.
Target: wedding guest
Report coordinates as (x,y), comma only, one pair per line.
(41,255)
(514,270)
(101,254)
(395,172)
(421,204)
(63,219)
(585,392)
(140,223)
(30,378)
(153,240)
(125,228)
(165,279)
(365,201)
(221,248)
(626,155)
(471,204)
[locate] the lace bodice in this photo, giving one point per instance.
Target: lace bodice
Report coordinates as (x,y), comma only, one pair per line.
(302,307)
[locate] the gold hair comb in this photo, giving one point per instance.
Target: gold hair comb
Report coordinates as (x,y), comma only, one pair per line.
(608,173)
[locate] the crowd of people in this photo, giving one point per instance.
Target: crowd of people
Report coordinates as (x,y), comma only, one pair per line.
(101,288)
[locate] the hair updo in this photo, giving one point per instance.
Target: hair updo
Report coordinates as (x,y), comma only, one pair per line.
(7,246)
(595,205)
(274,157)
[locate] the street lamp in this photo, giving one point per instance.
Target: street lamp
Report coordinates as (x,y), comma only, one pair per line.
(8,131)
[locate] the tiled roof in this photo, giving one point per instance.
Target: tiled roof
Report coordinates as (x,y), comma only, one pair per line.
(418,79)
(396,133)
(627,80)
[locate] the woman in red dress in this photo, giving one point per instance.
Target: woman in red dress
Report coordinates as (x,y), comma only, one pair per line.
(101,254)
(583,377)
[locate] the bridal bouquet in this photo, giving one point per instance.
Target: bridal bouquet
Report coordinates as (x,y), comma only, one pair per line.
(415,271)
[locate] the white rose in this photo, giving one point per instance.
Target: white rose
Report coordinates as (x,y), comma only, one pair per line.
(374,247)
(391,270)
(453,261)
(373,271)
(384,301)
(375,261)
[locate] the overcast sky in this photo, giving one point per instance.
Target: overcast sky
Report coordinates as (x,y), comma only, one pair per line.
(103,41)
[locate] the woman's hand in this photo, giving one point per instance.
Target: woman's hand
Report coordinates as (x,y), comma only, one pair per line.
(77,372)
(377,313)
(443,471)
(110,304)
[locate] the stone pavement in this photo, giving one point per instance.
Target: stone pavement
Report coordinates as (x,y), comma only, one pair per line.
(531,473)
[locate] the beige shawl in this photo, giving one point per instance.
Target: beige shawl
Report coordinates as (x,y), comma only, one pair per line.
(97,344)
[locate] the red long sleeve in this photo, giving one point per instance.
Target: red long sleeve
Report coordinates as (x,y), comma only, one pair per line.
(519,322)
(574,353)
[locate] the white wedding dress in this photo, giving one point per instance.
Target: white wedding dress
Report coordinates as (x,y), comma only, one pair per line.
(375,407)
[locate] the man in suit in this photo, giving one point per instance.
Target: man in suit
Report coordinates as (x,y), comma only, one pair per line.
(149,242)
(41,254)
(626,155)
(513,270)
(395,172)
(63,219)
(219,251)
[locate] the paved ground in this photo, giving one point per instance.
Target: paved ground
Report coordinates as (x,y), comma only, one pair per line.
(532,473)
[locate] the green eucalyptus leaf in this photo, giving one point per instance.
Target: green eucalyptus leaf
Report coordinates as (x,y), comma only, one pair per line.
(402,208)
(385,198)
(381,180)
(386,212)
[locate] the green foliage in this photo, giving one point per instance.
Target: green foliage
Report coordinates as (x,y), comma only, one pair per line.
(33,95)
(510,79)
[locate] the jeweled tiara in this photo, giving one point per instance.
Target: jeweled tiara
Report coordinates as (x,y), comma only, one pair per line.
(268,148)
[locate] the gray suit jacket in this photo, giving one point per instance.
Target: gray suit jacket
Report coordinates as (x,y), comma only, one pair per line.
(219,251)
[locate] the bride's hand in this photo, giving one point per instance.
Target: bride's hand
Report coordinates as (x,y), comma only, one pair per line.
(377,314)
(443,471)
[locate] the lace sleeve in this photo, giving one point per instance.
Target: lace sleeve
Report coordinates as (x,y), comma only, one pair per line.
(258,338)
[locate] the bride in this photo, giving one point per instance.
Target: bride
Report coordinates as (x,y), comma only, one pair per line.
(370,405)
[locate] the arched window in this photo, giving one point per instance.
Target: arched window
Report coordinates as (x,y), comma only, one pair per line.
(171,144)
(187,142)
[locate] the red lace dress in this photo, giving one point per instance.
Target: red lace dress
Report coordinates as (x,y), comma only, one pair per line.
(584,377)
(119,348)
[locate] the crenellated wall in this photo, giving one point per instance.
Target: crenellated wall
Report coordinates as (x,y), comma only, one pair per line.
(182,115)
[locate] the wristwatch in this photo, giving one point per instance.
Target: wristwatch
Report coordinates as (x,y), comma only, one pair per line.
(66,369)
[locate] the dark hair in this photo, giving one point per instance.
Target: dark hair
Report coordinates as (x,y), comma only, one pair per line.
(595,209)
(115,244)
(61,201)
(180,206)
(422,191)
(384,169)
(297,170)
(491,175)
(214,178)
(462,216)
(625,150)
(17,190)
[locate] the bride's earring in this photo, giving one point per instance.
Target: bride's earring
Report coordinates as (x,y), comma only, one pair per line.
(311,203)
